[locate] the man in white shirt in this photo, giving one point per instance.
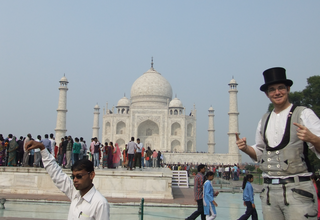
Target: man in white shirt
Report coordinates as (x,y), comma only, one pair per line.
(282,139)
(86,201)
(131,147)
(137,155)
(53,143)
(37,154)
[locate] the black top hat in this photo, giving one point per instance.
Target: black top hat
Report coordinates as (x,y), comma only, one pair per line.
(273,76)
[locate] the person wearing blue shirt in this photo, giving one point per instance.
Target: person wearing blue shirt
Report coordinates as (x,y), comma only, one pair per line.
(248,198)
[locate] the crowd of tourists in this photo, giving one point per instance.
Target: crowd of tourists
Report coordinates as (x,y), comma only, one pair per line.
(13,152)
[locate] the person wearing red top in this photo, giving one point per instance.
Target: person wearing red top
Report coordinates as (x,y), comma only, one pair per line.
(198,193)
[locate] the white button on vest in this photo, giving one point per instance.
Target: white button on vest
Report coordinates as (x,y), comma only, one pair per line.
(269,166)
(269,152)
(269,159)
(278,165)
(277,152)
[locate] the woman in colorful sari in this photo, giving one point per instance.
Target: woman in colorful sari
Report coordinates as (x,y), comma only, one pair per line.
(105,155)
(116,156)
(2,150)
(12,150)
(110,155)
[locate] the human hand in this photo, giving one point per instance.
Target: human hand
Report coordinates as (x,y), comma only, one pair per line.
(253,206)
(215,204)
(304,133)
(216,193)
(34,145)
(244,203)
(242,143)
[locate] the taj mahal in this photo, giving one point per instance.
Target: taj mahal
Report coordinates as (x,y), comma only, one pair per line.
(159,120)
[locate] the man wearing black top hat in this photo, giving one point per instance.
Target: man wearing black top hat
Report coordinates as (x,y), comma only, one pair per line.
(283,137)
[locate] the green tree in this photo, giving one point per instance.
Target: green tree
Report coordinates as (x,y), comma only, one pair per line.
(309,97)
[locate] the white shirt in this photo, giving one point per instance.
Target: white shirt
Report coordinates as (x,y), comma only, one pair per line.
(53,145)
(276,128)
(139,146)
(91,206)
(37,150)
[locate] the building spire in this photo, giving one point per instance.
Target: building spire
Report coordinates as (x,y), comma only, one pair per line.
(151,62)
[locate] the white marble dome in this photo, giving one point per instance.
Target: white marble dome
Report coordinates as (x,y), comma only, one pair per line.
(175,103)
(63,79)
(233,81)
(96,106)
(123,102)
(150,88)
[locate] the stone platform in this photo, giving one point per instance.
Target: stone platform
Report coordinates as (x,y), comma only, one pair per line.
(150,183)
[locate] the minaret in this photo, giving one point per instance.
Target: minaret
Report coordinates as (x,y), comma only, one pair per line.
(211,143)
(95,128)
(233,117)
(62,110)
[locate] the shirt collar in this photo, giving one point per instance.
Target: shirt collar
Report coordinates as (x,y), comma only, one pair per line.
(88,196)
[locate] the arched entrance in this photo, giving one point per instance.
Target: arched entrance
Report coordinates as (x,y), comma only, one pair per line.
(148,132)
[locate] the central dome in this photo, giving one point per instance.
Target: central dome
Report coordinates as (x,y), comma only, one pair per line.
(151,88)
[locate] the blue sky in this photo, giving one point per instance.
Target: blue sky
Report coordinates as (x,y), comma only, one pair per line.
(104,46)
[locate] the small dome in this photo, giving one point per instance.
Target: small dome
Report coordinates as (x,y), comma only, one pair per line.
(124,102)
(175,103)
(63,79)
(233,81)
(211,109)
(96,106)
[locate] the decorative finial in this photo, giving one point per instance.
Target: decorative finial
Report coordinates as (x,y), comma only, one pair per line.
(176,95)
(124,94)
(232,77)
(151,62)
(64,74)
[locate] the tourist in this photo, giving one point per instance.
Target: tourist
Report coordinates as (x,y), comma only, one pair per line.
(2,150)
(83,150)
(116,156)
(248,198)
(198,193)
(20,151)
(86,201)
(281,138)
(154,158)
(26,153)
(142,157)
(235,172)
(69,152)
(96,146)
(53,145)
(92,149)
(148,157)
(316,182)
(64,151)
(105,155)
(131,147)
(208,198)
(47,143)
(12,151)
(159,156)
(110,155)
(37,154)
(137,155)
(76,149)
(125,156)
(60,153)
